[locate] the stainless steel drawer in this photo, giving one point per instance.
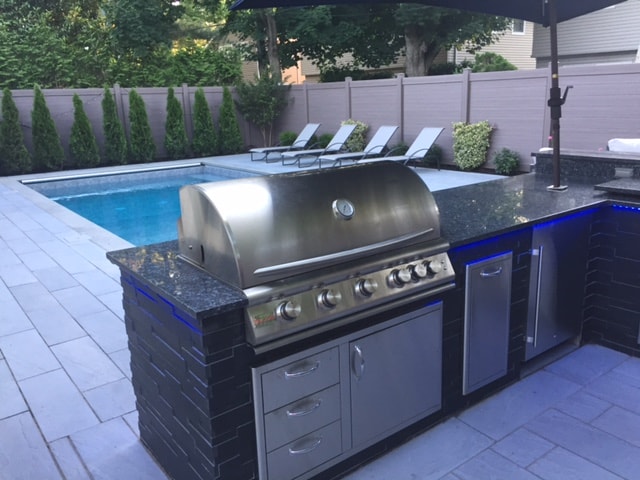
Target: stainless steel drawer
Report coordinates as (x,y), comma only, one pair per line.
(305,453)
(302,417)
(300,379)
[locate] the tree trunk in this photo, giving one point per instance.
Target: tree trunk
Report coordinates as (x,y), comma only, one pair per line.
(420,54)
(272,45)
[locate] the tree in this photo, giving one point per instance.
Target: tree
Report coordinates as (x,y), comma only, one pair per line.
(47,149)
(262,102)
(427,30)
(14,156)
(175,138)
(142,149)
(230,137)
(204,134)
(82,143)
(491,62)
(115,141)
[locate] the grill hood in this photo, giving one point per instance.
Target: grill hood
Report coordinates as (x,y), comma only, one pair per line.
(262,229)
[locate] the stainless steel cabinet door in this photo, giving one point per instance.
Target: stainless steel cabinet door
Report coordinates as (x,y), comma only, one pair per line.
(486,321)
(395,377)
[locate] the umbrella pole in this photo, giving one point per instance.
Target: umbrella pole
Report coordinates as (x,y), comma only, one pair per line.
(555,100)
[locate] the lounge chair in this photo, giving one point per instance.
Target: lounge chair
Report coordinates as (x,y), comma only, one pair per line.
(301,141)
(418,149)
(336,144)
(374,148)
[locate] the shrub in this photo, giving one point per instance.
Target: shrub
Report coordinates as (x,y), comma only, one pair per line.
(506,161)
(358,139)
(491,62)
(14,156)
(175,137)
(262,102)
(205,141)
(434,155)
(470,144)
(324,139)
(287,138)
(82,143)
(141,145)
(230,136)
(47,149)
(115,141)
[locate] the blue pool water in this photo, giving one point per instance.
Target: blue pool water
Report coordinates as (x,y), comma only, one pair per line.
(140,208)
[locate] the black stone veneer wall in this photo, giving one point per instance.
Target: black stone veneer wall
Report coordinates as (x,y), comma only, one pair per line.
(612,314)
(518,242)
(192,381)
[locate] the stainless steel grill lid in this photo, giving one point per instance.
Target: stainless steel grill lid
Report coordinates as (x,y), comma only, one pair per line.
(257,230)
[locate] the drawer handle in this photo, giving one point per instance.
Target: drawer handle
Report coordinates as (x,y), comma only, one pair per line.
(494,273)
(302,372)
(301,451)
(302,413)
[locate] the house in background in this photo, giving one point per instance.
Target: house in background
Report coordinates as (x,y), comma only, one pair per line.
(610,35)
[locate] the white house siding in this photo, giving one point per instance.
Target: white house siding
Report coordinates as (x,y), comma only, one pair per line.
(610,35)
(515,47)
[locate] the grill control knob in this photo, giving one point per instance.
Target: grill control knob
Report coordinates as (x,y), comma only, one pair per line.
(329,298)
(433,267)
(289,310)
(366,287)
(399,277)
(418,271)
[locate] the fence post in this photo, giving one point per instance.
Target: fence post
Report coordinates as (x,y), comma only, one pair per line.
(187,109)
(305,95)
(347,90)
(400,94)
(465,95)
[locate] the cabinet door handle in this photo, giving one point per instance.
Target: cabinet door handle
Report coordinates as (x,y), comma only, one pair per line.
(306,411)
(538,289)
(302,371)
(492,273)
(310,448)
(358,362)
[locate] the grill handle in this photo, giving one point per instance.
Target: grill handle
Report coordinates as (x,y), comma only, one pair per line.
(313,262)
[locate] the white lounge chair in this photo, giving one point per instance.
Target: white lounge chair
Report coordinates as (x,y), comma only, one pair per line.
(417,150)
(374,148)
(336,144)
(301,141)
(628,145)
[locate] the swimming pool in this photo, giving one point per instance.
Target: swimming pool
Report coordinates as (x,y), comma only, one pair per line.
(141,207)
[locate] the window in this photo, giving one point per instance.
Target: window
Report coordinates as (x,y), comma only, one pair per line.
(517,27)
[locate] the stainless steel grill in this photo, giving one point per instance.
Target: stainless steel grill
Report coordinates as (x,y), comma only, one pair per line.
(314,247)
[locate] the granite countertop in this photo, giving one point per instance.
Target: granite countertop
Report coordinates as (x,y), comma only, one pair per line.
(467,214)
(624,186)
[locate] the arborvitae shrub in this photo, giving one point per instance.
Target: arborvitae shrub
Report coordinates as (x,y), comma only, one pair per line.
(115,141)
(204,134)
(14,156)
(82,143)
(175,137)
(230,136)
(47,149)
(142,149)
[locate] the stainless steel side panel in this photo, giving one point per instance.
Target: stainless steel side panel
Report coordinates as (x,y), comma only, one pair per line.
(255,230)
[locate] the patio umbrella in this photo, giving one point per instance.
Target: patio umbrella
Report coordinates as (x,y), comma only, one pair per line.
(545,12)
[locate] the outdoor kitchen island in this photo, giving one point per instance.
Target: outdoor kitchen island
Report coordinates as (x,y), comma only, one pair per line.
(192,366)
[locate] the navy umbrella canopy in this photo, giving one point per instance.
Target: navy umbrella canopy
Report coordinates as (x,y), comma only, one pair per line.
(545,12)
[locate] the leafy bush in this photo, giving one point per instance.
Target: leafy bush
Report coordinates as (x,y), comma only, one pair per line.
(470,144)
(338,74)
(115,141)
(47,149)
(175,136)
(230,136)
(287,138)
(262,102)
(205,140)
(358,139)
(82,143)
(14,156)
(324,139)
(491,62)
(434,155)
(506,161)
(141,146)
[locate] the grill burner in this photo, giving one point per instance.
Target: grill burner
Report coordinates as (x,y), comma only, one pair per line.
(315,249)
